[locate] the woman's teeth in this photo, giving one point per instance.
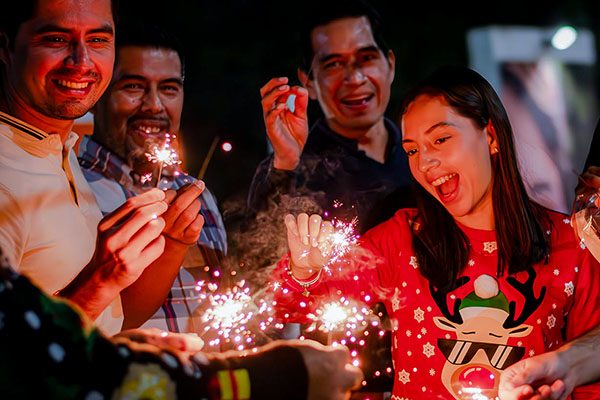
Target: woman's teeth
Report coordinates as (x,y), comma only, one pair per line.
(442,179)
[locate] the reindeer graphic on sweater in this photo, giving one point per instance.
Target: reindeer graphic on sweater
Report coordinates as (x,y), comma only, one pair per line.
(483,321)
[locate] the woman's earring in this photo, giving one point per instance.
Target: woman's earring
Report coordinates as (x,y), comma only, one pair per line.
(494,150)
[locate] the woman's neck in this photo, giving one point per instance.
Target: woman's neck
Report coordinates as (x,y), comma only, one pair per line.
(482,214)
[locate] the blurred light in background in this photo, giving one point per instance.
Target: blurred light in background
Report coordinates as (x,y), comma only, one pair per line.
(226,146)
(564,37)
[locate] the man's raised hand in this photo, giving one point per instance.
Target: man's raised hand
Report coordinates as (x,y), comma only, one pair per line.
(287,130)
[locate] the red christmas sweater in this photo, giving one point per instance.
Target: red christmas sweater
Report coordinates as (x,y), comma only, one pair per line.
(455,345)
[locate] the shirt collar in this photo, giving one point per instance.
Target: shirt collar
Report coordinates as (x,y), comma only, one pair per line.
(392,129)
(33,140)
(23,126)
(482,241)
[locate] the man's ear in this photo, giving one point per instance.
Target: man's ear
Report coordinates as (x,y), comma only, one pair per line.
(308,83)
(391,58)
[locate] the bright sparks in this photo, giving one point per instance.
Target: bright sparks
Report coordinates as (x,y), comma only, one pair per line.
(228,319)
(342,315)
(146,178)
(340,241)
(164,154)
(333,316)
(228,310)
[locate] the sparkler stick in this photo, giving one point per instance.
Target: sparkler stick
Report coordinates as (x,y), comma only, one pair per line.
(208,157)
(291,99)
(162,155)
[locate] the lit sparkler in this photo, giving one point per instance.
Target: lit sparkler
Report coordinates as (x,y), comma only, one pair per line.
(343,316)
(348,321)
(340,241)
(163,155)
(230,314)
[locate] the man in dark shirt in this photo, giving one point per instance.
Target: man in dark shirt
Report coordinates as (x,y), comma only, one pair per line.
(352,164)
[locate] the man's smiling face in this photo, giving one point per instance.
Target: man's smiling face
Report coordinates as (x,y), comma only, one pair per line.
(143,103)
(63,58)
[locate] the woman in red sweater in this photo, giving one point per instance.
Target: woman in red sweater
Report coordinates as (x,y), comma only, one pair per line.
(475,279)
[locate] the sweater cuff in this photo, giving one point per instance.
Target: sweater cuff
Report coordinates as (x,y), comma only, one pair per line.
(281,177)
(277,373)
(295,284)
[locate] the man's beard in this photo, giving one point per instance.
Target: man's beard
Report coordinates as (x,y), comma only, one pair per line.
(67,110)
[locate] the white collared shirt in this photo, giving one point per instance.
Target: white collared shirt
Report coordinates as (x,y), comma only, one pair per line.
(48,214)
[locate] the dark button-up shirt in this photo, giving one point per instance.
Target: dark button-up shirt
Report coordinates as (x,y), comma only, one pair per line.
(339,180)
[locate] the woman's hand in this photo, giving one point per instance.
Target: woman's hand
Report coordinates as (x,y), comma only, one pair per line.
(308,242)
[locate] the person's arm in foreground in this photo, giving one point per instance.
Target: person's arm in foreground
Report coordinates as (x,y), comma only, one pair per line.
(62,356)
(555,374)
(573,368)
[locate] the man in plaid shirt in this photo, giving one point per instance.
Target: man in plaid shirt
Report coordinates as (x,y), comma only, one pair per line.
(143,103)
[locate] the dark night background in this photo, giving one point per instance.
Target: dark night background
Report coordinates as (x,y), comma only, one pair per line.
(233,47)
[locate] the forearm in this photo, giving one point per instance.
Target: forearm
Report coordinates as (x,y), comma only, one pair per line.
(142,298)
(268,183)
(581,355)
(91,290)
(276,371)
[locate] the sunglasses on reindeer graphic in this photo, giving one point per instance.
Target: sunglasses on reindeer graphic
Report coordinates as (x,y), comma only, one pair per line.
(460,352)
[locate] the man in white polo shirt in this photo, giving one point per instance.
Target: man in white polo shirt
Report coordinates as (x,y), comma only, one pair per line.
(56,61)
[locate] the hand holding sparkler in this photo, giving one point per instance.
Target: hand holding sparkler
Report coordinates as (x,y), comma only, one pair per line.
(316,244)
(284,113)
(180,342)
(308,240)
(183,219)
(331,373)
(129,240)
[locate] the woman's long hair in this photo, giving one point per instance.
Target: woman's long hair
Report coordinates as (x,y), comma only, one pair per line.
(521,224)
